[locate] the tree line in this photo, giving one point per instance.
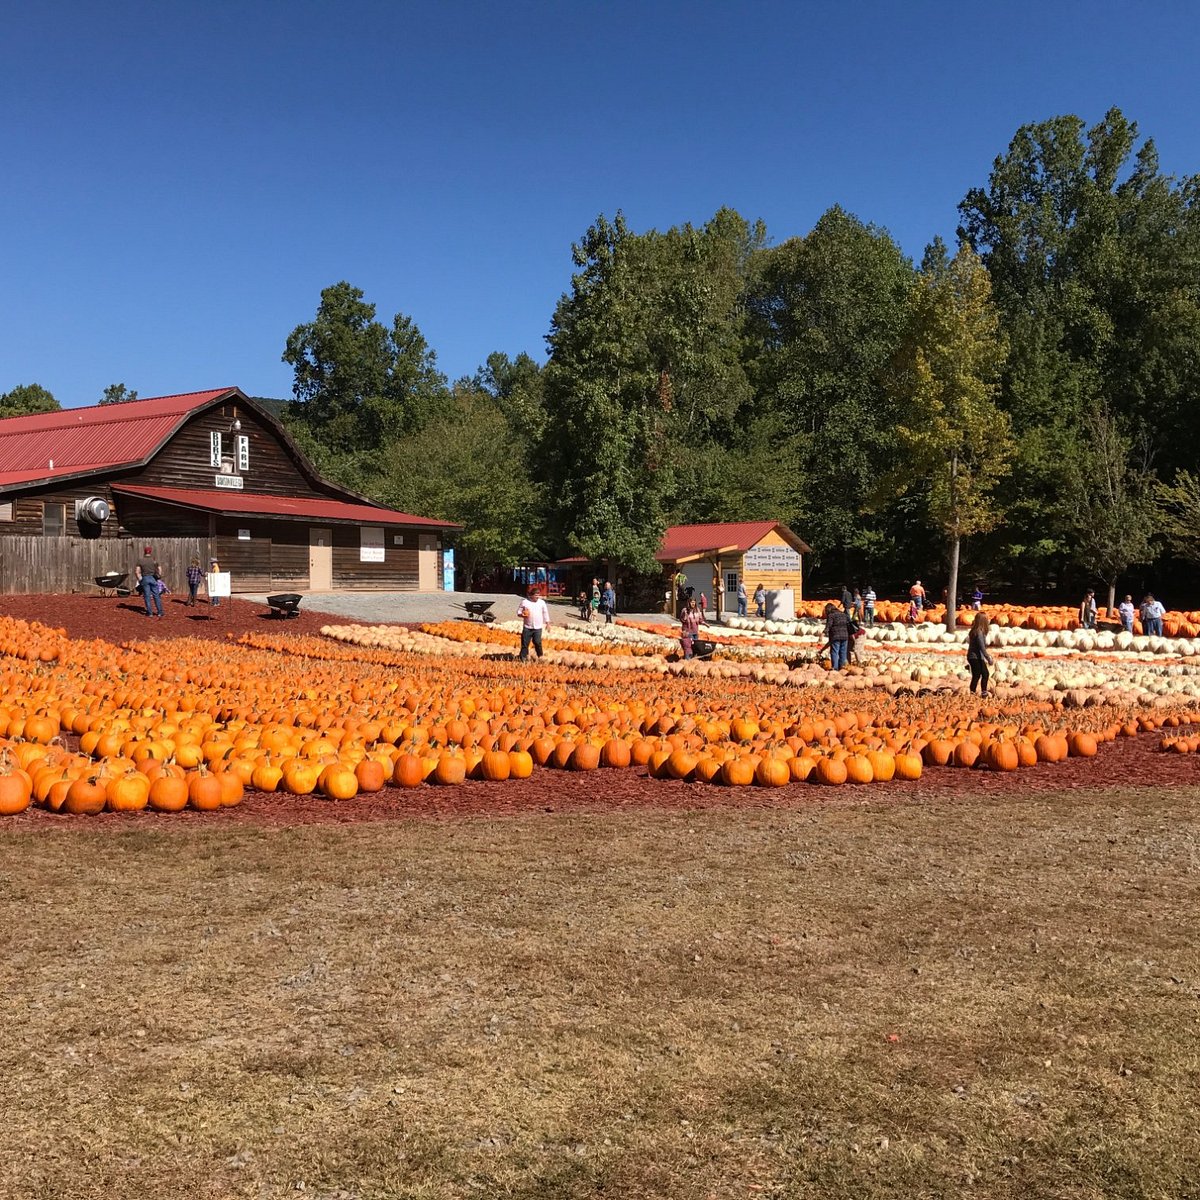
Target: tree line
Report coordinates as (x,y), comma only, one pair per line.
(1022,403)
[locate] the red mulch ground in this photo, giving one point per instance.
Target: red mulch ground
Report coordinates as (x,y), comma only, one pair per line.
(1125,763)
(123,618)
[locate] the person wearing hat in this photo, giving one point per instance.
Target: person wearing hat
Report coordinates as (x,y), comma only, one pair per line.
(213,568)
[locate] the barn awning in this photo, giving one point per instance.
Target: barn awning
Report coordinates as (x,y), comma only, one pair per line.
(288,508)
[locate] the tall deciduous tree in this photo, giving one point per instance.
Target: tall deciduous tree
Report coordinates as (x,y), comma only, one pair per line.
(1179,509)
(358,382)
(1094,257)
(26,399)
(955,441)
(1111,495)
(646,368)
(829,312)
(468,464)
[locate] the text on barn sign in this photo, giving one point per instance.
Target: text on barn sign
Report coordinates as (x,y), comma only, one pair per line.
(229,481)
(771,558)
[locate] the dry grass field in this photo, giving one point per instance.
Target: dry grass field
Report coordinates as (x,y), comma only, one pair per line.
(988,998)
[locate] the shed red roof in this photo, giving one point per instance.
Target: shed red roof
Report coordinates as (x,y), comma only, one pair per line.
(102,437)
(733,537)
(296,507)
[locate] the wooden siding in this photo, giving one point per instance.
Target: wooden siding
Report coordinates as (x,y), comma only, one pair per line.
(398,571)
(27,513)
(184,461)
(73,563)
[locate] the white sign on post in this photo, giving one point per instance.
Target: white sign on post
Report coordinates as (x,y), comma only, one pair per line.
(218,584)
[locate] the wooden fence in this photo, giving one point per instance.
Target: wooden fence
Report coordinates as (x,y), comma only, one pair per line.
(57,565)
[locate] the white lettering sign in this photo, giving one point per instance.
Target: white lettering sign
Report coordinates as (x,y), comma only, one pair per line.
(229,481)
(782,559)
(370,546)
(214,449)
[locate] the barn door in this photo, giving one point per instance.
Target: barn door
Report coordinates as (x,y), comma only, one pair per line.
(320,559)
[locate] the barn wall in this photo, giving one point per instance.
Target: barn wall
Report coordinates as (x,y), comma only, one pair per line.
(184,461)
(398,572)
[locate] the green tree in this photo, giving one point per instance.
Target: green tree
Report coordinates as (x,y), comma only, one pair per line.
(1179,515)
(357,383)
(27,399)
(829,311)
(1094,257)
(954,439)
(646,370)
(467,464)
(1112,497)
(117,393)
(517,387)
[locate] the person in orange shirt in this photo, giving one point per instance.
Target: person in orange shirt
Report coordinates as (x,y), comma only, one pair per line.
(916,594)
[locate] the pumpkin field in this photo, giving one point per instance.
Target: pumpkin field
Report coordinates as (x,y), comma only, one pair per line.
(367,911)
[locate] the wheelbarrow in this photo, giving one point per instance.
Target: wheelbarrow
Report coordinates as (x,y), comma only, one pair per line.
(478,610)
(112,584)
(285,604)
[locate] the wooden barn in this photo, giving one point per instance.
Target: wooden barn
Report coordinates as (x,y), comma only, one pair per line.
(89,491)
(753,552)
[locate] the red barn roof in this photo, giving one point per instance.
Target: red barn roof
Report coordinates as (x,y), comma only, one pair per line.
(301,508)
(682,542)
(103,437)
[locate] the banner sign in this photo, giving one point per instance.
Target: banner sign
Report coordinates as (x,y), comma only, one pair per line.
(781,559)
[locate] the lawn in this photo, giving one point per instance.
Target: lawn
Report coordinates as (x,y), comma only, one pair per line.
(994,998)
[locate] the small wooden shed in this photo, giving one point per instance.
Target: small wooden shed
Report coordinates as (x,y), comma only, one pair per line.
(753,552)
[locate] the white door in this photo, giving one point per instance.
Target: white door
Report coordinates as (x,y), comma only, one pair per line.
(427,563)
(320,559)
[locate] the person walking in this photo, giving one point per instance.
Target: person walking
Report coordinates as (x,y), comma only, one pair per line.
(690,621)
(916,594)
(148,584)
(1125,611)
(978,658)
(608,601)
(760,601)
(194,578)
(1152,622)
(1087,610)
(977,598)
(741,598)
(535,617)
(869,599)
(704,604)
(837,636)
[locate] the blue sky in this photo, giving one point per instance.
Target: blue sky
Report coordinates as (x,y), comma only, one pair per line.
(181,180)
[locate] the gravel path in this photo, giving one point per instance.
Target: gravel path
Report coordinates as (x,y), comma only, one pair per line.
(407,607)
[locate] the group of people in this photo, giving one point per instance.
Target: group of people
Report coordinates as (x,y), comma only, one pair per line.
(601,601)
(1150,612)
(150,585)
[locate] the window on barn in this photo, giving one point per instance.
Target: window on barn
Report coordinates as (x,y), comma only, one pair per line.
(6,510)
(54,519)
